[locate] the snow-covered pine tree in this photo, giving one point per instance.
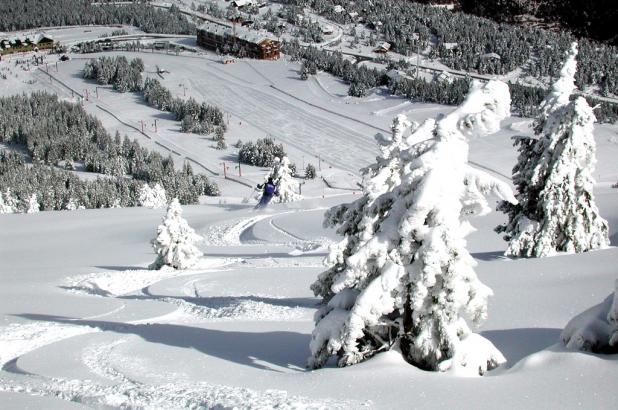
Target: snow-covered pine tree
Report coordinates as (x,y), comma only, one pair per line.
(72,205)
(8,204)
(402,277)
(154,197)
(175,241)
(32,206)
(556,211)
(282,177)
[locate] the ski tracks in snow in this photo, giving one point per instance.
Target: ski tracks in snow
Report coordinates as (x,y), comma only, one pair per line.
(127,394)
(238,233)
(105,358)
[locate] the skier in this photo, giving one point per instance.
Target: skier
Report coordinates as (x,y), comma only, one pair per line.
(269,189)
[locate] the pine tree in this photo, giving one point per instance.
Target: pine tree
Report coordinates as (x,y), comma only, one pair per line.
(8,204)
(175,241)
(154,197)
(310,172)
(402,277)
(556,210)
(32,206)
(282,177)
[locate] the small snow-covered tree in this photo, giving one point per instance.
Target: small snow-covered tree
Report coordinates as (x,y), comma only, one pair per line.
(596,329)
(8,204)
(310,172)
(282,177)
(175,241)
(154,197)
(73,205)
(32,205)
(556,211)
(402,277)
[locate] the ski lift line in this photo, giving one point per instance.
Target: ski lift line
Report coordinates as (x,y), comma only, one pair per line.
(268,80)
(169,149)
(202,165)
(239,181)
(137,129)
(61,82)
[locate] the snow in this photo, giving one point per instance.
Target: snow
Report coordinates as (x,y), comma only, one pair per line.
(237,333)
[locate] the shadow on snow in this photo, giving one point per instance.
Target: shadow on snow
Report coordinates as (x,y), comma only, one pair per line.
(516,344)
(279,348)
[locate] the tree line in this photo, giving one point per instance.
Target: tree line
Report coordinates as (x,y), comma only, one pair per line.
(58,134)
(467,42)
(525,99)
(193,116)
(261,153)
(117,71)
(27,14)
(126,75)
(594,19)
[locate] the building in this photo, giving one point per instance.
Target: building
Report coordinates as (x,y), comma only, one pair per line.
(383,47)
(444,77)
(25,42)
(241,3)
(254,44)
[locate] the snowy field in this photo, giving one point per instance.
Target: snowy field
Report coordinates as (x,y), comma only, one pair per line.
(83,323)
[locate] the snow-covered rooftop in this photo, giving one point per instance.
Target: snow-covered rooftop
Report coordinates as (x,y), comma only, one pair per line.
(241,32)
(34,38)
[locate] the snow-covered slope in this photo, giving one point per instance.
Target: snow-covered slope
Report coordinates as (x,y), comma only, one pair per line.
(82,321)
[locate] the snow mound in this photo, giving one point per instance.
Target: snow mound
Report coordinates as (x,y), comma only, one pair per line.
(596,329)
(474,356)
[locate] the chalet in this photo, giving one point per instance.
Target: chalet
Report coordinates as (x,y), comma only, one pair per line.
(338,9)
(241,3)
(444,77)
(25,42)
(256,44)
(327,30)
(383,47)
